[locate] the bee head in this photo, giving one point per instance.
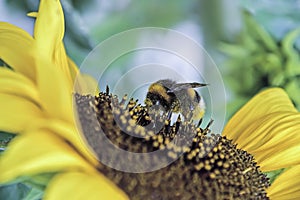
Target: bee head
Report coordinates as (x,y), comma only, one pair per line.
(148,101)
(158,93)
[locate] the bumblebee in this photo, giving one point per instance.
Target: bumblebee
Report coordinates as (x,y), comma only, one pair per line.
(177,97)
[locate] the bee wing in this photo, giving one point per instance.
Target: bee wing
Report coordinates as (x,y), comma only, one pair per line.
(182,86)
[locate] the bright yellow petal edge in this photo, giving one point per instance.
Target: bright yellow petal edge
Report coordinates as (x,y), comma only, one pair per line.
(41,152)
(19,99)
(266,102)
(36,152)
(48,84)
(16,49)
(78,186)
(286,186)
(50,92)
(49,33)
(267,128)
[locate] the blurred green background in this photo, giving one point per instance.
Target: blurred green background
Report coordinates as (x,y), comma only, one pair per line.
(255,43)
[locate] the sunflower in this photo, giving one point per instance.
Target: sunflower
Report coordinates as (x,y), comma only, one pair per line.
(37,82)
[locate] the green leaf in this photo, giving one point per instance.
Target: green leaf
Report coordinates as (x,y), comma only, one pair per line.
(262,36)
(234,50)
(4,64)
(274,174)
(288,43)
(5,138)
(293,89)
(39,181)
(235,105)
(20,191)
(14,192)
(26,188)
(277,79)
(34,194)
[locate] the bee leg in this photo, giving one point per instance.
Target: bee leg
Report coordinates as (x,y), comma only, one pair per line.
(107,90)
(177,124)
(169,115)
(139,119)
(168,121)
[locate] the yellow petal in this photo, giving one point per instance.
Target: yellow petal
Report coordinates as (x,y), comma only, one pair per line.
(17,113)
(271,138)
(268,101)
(49,33)
(70,133)
(32,14)
(49,27)
(286,186)
(38,152)
(61,61)
(16,49)
(78,186)
(55,91)
(279,159)
(271,128)
(72,68)
(17,84)
(85,84)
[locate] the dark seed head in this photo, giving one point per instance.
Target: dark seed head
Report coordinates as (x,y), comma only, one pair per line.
(204,166)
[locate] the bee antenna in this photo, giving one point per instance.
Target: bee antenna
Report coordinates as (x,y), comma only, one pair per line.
(209,124)
(203,84)
(200,122)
